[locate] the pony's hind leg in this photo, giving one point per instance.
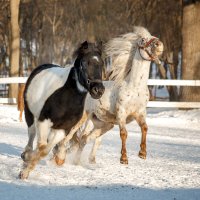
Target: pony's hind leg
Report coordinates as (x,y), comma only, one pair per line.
(43,130)
(31,131)
(92,157)
(99,129)
(41,151)
(31,157)
(144,128)
(29,146)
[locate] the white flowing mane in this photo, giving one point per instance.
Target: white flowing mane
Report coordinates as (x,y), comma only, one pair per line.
(122,50)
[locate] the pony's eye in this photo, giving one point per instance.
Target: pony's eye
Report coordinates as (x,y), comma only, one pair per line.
(88,81)
(84,64)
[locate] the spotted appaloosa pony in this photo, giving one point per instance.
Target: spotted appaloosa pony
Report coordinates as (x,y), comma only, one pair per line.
(126,96)
(54,101)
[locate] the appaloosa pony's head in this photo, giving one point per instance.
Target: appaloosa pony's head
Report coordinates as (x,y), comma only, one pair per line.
(89,67)
(150,48)
(123,50)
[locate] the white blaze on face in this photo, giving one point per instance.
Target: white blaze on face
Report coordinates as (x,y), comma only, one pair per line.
(44,85)
(95,58)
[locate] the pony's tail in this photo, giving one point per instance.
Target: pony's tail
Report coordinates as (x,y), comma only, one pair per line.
(20,100)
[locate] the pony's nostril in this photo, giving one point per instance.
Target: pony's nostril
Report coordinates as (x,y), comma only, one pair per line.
(95,90)
(102,90)
(98,90)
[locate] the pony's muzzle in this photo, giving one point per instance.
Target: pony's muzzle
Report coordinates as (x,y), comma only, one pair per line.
(158,48)
(97,90)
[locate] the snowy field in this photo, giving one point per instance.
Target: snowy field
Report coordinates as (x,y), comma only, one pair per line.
(170,172)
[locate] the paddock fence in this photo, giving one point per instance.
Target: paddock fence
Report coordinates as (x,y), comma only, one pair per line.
(151,82)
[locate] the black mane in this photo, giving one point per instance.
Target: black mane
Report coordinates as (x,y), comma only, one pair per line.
(87,47)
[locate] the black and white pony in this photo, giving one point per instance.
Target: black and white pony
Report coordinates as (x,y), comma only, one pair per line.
(54,99)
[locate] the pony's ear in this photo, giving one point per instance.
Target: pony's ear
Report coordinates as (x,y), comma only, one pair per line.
(84,45)
(99,45)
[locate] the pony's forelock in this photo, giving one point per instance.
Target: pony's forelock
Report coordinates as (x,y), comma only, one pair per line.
(83,49)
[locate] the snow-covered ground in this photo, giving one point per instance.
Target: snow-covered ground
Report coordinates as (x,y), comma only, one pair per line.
(171,170)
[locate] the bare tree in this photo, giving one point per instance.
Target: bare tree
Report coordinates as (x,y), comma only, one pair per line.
(4,34)
(15,45)
(190,50)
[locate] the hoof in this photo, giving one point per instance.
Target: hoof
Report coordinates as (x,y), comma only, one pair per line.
(77,162)
(58,161)
(69,150)
(124,161)
(142,155)
(92,160)
(22,175)
(25,156)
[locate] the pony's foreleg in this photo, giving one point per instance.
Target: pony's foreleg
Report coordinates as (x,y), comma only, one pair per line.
(123,136)
(60,153)
(29,146)
(60,150)
(144,128)
(95,133)
(88,126)
(84,140)
(41,151)
(121,121)
(74,143)
(92,157)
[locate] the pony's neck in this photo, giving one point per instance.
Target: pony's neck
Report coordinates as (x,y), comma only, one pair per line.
(139,73)
(77,62)
(80,87)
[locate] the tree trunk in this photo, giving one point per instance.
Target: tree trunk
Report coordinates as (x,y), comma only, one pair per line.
(191,51)
(15,42)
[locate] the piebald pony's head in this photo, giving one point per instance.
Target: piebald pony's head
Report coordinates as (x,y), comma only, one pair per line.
(89,69)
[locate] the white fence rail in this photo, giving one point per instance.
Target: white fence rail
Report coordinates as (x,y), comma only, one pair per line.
(10,80)
(174,82)
(157,104)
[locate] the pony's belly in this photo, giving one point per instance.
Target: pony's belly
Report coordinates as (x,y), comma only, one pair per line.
(130,118)
(66,123)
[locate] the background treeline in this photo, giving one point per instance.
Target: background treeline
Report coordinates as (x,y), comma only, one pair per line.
(50,30)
